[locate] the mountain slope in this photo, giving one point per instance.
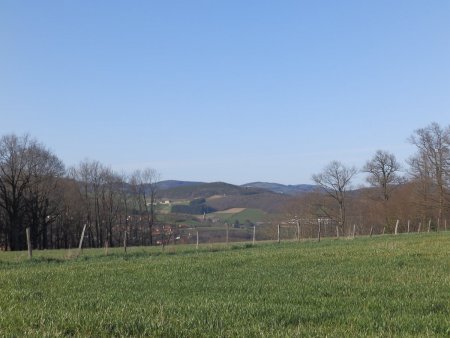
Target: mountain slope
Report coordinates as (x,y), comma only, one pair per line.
(205,190)
(170,184)
(281,188)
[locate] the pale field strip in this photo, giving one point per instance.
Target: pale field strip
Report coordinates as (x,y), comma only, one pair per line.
(231,211)
(215,197)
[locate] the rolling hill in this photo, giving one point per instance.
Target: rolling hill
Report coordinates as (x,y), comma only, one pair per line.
(171,184)
(281,188)
(205,190)
(222,196)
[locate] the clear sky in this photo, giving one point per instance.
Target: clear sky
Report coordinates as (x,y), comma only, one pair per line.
(233,91)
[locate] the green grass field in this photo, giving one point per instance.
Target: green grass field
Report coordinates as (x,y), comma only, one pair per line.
(381,286)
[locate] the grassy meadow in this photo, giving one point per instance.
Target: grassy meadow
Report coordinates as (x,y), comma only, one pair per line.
(380,286)
(247,214)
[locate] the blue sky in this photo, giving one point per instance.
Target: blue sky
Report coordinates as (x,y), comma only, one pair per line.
(234,91)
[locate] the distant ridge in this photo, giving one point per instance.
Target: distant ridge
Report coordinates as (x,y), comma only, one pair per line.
(281,188)
(170,184)
(269,197)
(205,190)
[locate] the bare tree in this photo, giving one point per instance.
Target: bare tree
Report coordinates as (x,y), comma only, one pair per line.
(72,217)
(44,193)
(15,178)
(432,161)
(125,200)
(422,181)
(335,180)
(91,177)
(111,201)
(383,170)
(145,183)
(28,189)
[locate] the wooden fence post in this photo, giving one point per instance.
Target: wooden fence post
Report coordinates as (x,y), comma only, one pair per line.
(125,241)
(337,231)
(354,230)
(408,226)
(420,225)
(318,233)
(197,241)
(227,230)
(396,227)
(279,240)
(429,225)
(438,224)
(445,224)
(254,234)
(82,237)
(371,231)
(298,231)
(106,247)
(30,249)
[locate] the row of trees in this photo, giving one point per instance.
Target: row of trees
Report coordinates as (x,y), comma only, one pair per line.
(56,204)
(37,192)
(419,192)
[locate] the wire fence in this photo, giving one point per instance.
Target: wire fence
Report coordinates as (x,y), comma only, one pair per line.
(293,230)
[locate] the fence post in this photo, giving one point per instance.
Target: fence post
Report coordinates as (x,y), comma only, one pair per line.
(279,233)
(429,225)
(438,224)
(125,241)
(298,230)
(420,225)
(227,230)
(30,249)
(371,231)
(408,226)
(254,234)
(396,227)
(82,237)
(318,234)
(445,224)
(337,231)
(354,230)
(197,241)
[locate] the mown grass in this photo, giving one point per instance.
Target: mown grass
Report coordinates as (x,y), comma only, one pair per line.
(381,286)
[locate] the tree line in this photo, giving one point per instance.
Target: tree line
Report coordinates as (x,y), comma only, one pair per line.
(57,203)
(418,193)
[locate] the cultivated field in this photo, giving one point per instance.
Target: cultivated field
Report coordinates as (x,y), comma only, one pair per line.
(240,214)
(380,286)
